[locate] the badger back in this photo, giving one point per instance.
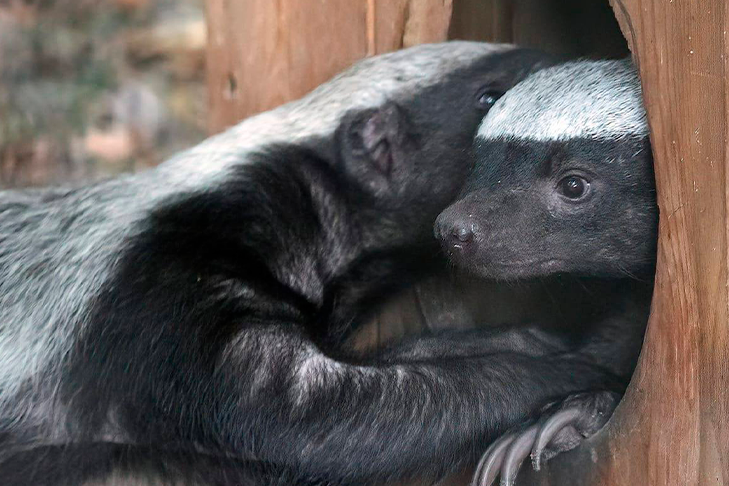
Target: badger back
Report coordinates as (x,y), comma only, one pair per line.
(396,77)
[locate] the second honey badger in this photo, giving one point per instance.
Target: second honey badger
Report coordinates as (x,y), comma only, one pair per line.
(564,184)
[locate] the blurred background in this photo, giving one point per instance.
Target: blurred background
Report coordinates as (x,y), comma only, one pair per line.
(91,88)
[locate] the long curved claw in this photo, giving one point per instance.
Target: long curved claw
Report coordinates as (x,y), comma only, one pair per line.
(518,451)
(549,429)
(490,464)
(561,427)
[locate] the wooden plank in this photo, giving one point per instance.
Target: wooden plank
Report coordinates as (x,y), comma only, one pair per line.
(263,53)
(678,405)
(405,23)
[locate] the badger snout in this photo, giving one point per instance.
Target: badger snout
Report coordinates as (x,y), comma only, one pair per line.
(456,231)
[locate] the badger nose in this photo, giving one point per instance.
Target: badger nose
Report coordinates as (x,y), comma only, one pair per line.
(461,232)
(454,232)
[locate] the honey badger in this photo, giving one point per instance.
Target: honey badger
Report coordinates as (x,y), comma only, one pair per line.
(181,324)
(564,184)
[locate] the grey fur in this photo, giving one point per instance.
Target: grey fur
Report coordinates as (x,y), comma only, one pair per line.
(368,83)
(559,113)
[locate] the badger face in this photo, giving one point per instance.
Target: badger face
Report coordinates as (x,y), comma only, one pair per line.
(563,180)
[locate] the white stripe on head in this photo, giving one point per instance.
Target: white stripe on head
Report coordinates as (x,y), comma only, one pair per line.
(579,99)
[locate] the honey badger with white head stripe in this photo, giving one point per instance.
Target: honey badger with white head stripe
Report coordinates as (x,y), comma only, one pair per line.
(564,184)
(183,321)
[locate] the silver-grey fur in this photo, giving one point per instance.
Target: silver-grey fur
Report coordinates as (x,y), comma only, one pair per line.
(559,113)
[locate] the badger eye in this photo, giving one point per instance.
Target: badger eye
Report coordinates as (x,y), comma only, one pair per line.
(486,99)
(574,187)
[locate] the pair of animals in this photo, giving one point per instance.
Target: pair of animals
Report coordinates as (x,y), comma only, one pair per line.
(185,324)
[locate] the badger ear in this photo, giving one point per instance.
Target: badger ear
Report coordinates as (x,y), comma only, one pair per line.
(373,144)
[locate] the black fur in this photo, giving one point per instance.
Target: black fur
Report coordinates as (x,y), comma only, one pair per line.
(523,227)
(225,295)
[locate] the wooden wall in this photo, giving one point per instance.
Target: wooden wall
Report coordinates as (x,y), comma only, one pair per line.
(263,53)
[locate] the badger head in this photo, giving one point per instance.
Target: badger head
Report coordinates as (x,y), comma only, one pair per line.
(563,180)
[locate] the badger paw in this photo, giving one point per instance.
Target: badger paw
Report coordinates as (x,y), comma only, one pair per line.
(561,427)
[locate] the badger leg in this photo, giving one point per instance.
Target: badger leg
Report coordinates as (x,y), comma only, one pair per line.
(326,417)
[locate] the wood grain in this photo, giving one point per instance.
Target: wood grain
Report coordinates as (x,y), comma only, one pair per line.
(262,53)
(676,409)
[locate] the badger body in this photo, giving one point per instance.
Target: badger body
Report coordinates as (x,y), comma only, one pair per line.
(58,246)
(563,186)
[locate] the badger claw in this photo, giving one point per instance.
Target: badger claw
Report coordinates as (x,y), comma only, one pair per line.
(549,430)
(490,463)
(519,450)
(561,427)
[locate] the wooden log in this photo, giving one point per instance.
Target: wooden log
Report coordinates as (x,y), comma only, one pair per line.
(263,53)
